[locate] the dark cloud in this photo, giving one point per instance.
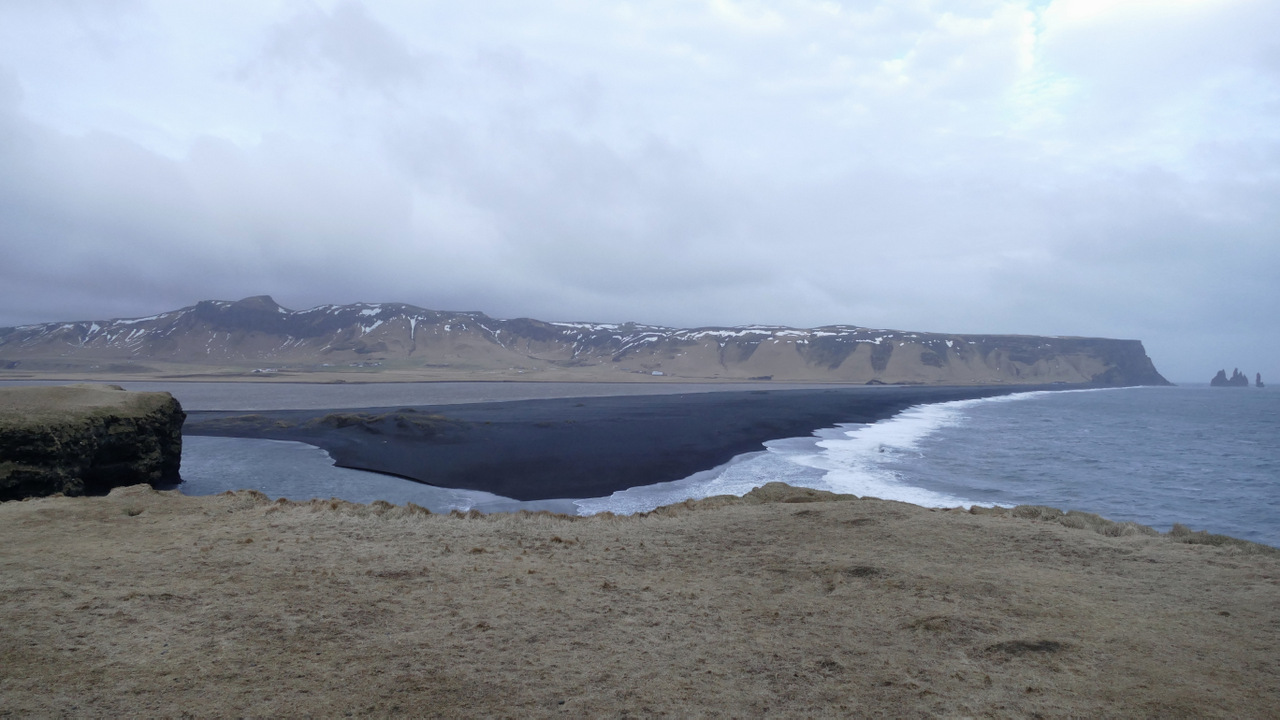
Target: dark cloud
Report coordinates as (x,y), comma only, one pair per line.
(978,168)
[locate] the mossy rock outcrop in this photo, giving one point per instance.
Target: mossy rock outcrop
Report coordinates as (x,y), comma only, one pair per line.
(80,439)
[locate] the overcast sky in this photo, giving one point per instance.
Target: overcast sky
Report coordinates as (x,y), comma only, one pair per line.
(1075,167)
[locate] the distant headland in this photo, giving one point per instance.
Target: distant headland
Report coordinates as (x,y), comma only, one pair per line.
(255,338)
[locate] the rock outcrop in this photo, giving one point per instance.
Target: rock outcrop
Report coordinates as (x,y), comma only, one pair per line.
(1237,379)
(84,439)
(259,337)
(1259,382)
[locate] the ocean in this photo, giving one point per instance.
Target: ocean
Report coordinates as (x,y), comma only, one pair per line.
(1204,457)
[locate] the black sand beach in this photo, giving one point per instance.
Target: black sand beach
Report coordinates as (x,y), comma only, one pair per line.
(573,447)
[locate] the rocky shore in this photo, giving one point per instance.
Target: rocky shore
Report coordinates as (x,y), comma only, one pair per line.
(786,603)
(81,439)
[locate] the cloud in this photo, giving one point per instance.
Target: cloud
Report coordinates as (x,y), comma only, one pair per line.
(351,48)
(1059,168)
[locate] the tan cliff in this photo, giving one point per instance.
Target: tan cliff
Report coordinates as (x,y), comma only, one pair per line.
(257,336)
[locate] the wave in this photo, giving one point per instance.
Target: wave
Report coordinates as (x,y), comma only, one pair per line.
(863,459)
(854,459)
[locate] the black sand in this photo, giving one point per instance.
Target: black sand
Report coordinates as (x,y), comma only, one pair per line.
(573,447)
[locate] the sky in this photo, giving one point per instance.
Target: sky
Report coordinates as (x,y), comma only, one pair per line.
(1073,167)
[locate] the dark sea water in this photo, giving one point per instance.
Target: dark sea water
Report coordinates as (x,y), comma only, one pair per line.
(298,471)
(1205,457)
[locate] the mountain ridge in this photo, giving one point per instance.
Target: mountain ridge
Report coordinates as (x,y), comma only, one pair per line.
(257,335)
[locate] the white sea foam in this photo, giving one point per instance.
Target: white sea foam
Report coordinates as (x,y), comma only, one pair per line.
(739,476)
(861,459)
(854,459)
(1151,455)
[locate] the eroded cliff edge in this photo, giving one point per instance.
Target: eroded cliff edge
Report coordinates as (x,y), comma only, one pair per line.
(79,439)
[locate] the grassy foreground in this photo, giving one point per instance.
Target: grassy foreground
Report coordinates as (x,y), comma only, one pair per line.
(787,603)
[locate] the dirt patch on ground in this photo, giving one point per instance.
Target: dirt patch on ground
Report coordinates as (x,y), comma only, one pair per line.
(157,604)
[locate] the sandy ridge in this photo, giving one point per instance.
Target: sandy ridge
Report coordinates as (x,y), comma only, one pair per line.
(157,604)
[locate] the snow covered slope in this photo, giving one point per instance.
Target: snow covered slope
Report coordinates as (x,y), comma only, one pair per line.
(256,331)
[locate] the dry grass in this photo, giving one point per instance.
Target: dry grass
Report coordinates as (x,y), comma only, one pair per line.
(1184,534)
(1096,523)
(784,604)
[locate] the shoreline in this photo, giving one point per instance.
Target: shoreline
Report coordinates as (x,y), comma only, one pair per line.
(582,447)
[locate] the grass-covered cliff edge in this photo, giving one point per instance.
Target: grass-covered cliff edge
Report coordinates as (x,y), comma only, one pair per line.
(79,439)
(787,603)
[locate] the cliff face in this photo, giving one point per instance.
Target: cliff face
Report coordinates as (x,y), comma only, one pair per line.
(258,332)
(81,439)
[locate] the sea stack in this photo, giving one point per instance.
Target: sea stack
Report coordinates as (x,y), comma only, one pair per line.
(1237,379)
(1258,382)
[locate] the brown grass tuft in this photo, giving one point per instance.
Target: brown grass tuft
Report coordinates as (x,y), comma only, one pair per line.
(1036,512)
(1102,526)
(1183,534)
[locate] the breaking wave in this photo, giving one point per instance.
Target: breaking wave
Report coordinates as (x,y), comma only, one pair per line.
(858,459)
